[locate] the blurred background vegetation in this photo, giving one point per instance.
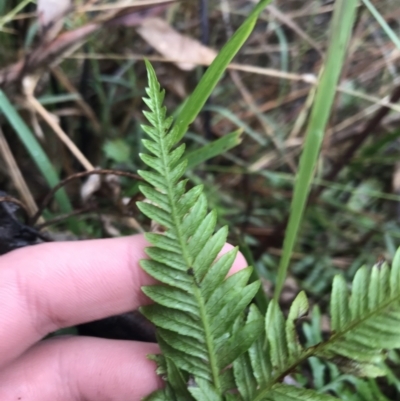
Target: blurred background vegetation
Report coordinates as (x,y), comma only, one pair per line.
(88,78)
(90,84)
(76,74)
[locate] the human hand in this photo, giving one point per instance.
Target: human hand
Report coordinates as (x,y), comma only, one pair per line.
(50,286)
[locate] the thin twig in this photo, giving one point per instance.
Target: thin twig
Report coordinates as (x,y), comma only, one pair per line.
(16,176)
(62,183)
(64,216)
(86,109)
(60,133)
(16,201)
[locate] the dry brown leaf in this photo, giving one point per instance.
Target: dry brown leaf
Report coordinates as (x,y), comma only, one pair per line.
(49,52)
(134,16)
(184,50)
(50,16)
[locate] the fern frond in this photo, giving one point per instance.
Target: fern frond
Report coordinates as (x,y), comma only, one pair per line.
(196,306)
(364,326)
(214,346)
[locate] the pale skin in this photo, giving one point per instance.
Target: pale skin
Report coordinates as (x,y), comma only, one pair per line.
(50,286)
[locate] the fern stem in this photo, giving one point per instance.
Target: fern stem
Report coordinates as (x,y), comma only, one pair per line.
(209,340)
(174,213)
(188,260)
(278,378)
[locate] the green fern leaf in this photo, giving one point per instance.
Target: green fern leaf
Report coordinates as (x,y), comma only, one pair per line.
(298,309)
(196,306)
(366,324)
(259,354)
(246,382)
(204,391)
(275,327)
(284,392)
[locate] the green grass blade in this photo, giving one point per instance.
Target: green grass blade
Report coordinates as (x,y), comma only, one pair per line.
(342,24)
(232,117)
(8,17)
(214,148)
(35,150)
(381,21)
(203,90)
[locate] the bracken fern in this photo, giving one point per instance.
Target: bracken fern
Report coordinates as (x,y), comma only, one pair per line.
(215,345)
(196,308)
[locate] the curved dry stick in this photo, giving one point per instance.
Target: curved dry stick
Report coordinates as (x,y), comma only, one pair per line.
(63,217)
(16,201)
(62,183)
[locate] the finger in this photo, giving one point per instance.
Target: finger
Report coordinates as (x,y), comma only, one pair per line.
(240,261)
(81,369)
(50,286)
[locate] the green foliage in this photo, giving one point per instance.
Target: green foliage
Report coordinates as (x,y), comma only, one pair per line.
(381,21)
(215,148)
(217,346)
(341,28)
(368,322)
(203,90)
(35,150)
(117,150)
